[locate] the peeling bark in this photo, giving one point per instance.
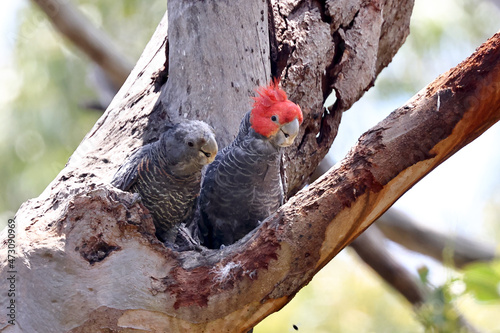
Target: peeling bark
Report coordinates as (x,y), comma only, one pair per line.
(402,229)
(88,259)
(324,47)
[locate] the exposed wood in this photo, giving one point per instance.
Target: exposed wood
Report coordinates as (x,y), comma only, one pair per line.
(386,162)
(370,246)
(235,288)
(331,46)
(45,252)
(94,43)
(215,62)
(98,247)
(457,250)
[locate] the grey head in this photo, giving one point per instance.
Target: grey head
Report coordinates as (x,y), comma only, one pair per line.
(187,147)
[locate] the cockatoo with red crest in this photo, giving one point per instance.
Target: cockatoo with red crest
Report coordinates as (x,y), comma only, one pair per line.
(243,185)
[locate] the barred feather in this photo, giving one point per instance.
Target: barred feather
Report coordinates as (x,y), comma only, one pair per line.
(167,174)
(240,188)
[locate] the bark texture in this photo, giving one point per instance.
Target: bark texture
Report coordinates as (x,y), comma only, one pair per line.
(87,256)
(324,47)
(400,228)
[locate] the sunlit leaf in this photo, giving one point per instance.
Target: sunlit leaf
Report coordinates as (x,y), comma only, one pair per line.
(483,280)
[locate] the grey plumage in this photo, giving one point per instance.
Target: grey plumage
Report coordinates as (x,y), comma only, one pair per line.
(240,188)
(167,174)
(243,185)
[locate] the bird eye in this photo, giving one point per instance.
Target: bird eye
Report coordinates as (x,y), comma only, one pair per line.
(190,143)
(274,118)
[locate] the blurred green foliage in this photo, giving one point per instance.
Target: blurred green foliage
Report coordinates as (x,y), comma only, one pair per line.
(483,280)
(441,32)
(438,314)
(345,297)
(480,280)
(42,121)
(43,118)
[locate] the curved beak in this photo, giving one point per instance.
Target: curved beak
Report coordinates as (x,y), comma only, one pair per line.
(209,149)
(289,132)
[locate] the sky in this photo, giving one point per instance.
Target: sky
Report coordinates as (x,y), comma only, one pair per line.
(453,196)
(8,26)
(8,36)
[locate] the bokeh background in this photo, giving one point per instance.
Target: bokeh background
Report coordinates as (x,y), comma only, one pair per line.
(47,84)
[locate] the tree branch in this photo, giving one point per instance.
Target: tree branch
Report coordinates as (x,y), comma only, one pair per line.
(401,229)
(93,42)
(297,241)
(371,249)
(98,244)
(388,159)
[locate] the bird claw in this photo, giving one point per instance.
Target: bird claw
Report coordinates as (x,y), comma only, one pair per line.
(184,241)
(136,197)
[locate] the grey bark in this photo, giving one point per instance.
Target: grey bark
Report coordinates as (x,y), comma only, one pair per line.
(98,247)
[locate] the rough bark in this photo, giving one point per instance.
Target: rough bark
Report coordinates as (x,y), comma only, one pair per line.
(215,84)
(323,47)
(370,246)
(400,228)
(87,256)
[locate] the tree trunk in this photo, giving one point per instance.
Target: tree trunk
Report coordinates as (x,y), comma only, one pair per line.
(87,259)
